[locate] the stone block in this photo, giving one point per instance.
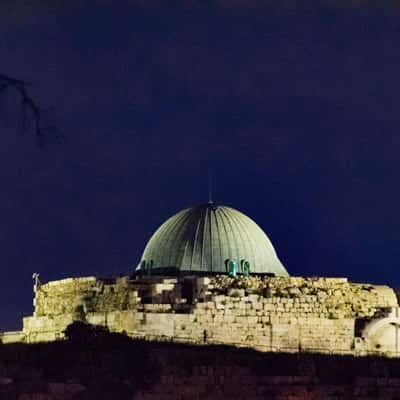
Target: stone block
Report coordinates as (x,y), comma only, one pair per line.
(252,320)
(96,318)
(12,337)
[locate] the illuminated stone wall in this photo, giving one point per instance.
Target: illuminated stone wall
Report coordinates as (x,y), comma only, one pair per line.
(278,314)
(113,367)
(83,295)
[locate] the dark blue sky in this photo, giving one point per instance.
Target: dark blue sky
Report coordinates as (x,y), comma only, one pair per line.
(295,110)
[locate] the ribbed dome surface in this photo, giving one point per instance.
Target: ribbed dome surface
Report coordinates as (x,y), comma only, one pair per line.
(203,238)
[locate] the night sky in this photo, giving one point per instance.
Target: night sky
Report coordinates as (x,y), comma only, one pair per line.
(294,109)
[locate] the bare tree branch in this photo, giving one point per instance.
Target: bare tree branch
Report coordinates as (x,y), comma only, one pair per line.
(32,114)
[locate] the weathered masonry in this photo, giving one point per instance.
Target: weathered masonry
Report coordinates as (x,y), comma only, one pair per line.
(210,275)
(288,314)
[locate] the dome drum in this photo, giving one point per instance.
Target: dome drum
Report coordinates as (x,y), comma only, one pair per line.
(232,268)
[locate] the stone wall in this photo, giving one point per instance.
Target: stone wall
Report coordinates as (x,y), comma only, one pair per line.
(207,384)
(241,384)
(320,297)
(269,314)
(83,295)
(108,369)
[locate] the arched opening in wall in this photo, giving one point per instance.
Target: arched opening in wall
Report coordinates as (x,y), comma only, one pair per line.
(188,289)
(246,268)
(387,338)
(227,265)
(232,270)
(383,335)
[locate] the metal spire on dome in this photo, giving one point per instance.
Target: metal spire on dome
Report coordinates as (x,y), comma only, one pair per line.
(210,200)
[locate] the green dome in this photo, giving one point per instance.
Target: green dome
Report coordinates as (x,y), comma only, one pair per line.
(205,238)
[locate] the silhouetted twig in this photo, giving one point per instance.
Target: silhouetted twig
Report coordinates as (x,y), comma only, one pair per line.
(32,114)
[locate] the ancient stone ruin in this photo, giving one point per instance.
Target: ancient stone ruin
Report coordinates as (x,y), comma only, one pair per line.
(288,314)
(210,275)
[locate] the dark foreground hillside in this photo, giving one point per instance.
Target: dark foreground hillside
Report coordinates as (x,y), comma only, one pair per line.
(94,364)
